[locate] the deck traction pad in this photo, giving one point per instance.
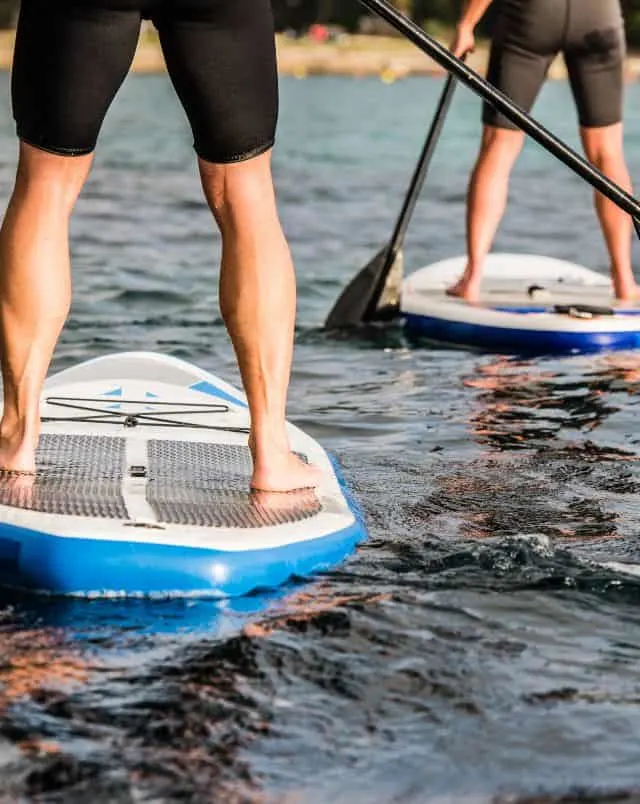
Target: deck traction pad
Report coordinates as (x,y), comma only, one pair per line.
(187,483)
(202,484)
(76,476)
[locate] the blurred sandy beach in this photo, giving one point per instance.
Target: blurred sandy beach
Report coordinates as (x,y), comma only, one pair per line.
(389,57)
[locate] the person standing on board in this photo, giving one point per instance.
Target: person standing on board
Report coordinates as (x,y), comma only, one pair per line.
(70,59)
(528,35)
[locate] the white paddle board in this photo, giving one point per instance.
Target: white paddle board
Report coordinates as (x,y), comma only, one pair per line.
(142,488)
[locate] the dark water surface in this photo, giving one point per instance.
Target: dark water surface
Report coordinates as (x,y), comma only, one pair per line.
(483,645)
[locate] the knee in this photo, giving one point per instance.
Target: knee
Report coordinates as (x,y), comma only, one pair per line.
(501,145)
(603,146)
(602,154)
(56,178)
(234,191)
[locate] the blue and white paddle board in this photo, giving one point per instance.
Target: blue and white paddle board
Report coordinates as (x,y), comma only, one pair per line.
(142,488)
(529,304)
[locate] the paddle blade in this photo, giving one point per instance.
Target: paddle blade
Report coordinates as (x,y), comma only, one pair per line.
(361,301)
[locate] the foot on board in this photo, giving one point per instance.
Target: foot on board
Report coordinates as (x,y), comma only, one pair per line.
(300,500)
(17,459)
(284,473)
(464,290)
(629,296)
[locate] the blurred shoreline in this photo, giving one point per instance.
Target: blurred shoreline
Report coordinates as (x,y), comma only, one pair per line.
(358,56)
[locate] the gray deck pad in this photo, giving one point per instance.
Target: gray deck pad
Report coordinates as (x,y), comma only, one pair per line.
(76,476)
(207,485)
(187,483)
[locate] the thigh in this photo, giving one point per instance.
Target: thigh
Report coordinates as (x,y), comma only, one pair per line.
(594,54)
(70,58)
(527,38)
(519,75)
(221,58)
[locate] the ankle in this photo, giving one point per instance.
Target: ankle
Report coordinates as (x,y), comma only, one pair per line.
(17,430)
(473,270)
(622,274)
(624,283)
(265,441)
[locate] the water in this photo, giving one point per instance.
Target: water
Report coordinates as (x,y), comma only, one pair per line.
(483,645)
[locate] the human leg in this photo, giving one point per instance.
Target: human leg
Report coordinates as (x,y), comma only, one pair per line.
(486,202)
(257,300)
(35,290)
(526,41)
(221,60)
(58,107)
(603,147)
(595,62)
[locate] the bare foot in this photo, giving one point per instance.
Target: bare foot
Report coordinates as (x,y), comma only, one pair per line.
(284,473)
(298,500)
(629,295)
(17,455)
(281,471)
(463,289)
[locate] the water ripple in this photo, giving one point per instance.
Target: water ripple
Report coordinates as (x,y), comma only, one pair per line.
(482,646)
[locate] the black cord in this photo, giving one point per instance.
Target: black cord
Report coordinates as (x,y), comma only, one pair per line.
(128,419)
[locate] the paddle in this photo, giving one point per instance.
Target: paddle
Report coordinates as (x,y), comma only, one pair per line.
(442,56)
(374,293)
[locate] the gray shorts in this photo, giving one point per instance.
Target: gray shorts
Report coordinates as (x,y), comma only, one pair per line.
(528,36)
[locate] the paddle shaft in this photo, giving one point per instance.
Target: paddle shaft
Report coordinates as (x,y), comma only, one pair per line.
(413,193)
(420,173)
(361,300)
(456,67)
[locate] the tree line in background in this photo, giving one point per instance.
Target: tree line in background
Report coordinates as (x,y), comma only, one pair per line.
(299,14)
(432,14)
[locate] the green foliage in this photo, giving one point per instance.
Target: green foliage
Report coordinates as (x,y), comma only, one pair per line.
(8,12)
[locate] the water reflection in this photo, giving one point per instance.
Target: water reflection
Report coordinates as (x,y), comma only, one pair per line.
(543,469)
(76,699)
(523,404)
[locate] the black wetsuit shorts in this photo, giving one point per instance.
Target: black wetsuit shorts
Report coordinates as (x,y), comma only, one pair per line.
(528,36)
(71,57)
